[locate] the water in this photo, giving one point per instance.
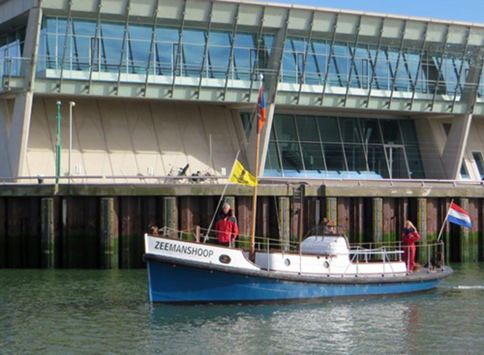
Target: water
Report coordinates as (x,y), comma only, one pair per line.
(107,311)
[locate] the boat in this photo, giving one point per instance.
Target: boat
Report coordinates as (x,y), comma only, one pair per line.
(321,266)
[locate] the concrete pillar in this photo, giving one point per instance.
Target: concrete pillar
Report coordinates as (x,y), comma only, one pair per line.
(5,123)
(271,81)
(377,219)
(459,132)
(109,244)
(284,218)
(19,132)
(429,151)
(47,233)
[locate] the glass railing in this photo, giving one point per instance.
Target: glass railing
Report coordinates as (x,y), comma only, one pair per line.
(11,66)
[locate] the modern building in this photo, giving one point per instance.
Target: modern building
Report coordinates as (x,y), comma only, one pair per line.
(159,84)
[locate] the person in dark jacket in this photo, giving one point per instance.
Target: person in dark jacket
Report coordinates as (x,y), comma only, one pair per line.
(226,228)
(409,237)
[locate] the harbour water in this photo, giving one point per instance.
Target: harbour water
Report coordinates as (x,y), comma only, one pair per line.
(107,311)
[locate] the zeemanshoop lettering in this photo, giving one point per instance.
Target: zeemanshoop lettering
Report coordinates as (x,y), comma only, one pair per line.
(183,249)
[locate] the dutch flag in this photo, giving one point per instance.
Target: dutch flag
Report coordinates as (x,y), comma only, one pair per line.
(458,216)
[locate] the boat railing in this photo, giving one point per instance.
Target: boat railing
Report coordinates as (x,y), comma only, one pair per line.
(430,254)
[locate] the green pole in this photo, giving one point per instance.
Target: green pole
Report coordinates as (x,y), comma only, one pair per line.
(58,147)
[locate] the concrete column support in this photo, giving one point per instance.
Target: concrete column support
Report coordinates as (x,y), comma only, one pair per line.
(432,164)
(456,145)
(5,122)
(48,235)
(19,133)
(109,246)
(459,131)
(284,218)
(271,81)
(377,219)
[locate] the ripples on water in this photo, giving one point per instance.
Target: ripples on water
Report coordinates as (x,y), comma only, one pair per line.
(99,311)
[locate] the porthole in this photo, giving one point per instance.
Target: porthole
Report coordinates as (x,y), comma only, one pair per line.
(224,259)
(326,264)
(287,262)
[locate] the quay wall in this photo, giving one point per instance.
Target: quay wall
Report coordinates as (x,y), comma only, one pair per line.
(102,226)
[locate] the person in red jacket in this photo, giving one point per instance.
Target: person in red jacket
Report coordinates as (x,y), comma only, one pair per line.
(409,237)
(226,228)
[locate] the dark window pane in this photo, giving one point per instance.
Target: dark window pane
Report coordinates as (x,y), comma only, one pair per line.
(391,132)
(408,132)
(313,158)
(370,131)
(377,162)
(272,168)
(285,128)
(308,130)
(349,130)
(355,157)
(479,162)
(464,174)
(291,158)
(415,162)
(328,127)
(333,154)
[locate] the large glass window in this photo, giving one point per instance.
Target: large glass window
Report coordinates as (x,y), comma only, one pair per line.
(343,147)
(111,51)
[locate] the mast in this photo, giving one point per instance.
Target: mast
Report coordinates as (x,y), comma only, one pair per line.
(261,117)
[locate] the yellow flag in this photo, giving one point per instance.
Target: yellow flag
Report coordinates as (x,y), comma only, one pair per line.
(242,176)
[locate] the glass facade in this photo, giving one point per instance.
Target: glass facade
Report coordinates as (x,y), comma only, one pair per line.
(219,55)
(343,147)
(385,69)
(111,51)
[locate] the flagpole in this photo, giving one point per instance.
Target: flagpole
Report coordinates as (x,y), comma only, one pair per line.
(256,173)
(221,198)
(445,219)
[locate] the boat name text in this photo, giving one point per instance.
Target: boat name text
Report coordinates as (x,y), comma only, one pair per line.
(190,250)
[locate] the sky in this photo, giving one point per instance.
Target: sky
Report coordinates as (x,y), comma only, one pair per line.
(453,10)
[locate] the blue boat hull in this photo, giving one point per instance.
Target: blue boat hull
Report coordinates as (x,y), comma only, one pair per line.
(171,282)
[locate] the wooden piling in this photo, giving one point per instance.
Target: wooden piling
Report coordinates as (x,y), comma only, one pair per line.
(47,233)
(3,233)
(109,241)
(377,219)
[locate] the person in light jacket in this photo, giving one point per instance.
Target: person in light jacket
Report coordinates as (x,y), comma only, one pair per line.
(409,237)
(226,228)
